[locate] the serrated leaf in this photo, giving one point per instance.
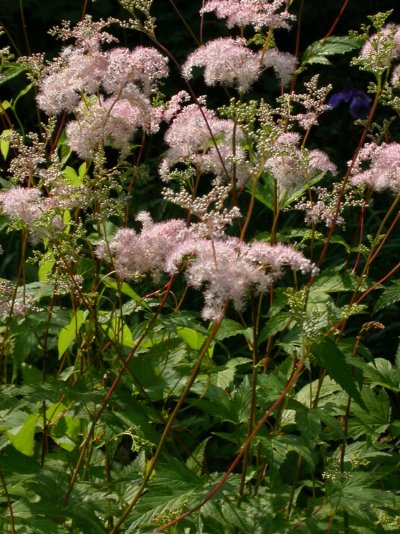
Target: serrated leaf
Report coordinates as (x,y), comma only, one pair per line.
(276,323)
(333,361)
(319,51)
(229,328)
(195,461)
(390,296)
(381,373)
(331,281)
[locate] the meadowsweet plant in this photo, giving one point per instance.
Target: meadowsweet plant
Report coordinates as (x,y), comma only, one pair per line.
(198,296)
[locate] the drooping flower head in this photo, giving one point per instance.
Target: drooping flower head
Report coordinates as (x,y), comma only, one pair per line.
(358,101)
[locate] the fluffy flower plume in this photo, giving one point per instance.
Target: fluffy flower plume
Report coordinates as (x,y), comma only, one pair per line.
(292,166)
(123,81)
(227,269)
(88,34)
(145,252)
(226,61)
(378,167)
(22,204)
(142,66)
(257,13)
(283,63)
(384,46)
(191,138)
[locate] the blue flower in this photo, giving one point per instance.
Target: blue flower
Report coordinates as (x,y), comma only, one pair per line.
(359,102)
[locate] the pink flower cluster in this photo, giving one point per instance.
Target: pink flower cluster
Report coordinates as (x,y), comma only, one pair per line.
(384,45)
(108,91)
(293,166)
(191,138)
(257,13)
(378,167)
(23,204)
(229,61)
(145,252)
(227,268)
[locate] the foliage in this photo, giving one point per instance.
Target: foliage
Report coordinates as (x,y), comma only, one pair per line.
(198,303)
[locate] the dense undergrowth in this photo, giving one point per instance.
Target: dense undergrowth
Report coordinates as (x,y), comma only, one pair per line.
(199,296)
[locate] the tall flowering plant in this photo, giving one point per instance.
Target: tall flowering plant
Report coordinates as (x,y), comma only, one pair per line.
(185,338)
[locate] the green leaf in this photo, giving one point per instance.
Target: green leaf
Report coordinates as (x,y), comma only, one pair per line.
(381,372)
(117,330)
(68,334)
(195,461)
(276,323)
(333,361)
(229,328)
(44,269)
(72,177)
(4,142)
(126,290)
(390,296)
(331,281)
(11,70)
(22,438)
(192,338)
(319,51)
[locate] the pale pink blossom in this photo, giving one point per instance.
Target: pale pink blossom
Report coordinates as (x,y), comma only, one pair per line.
(113,120)
(378,167)
(257,13)
(383,46)
(191,138)
(189,135)
(142,65)
(294,166)
(64,81)
(230,269)
(145,252)
(22,204)
(283,63)
(86,134)
(225,268)
(174,106)
(226,61)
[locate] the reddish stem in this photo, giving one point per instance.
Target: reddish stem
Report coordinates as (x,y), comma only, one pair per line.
(336,20)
